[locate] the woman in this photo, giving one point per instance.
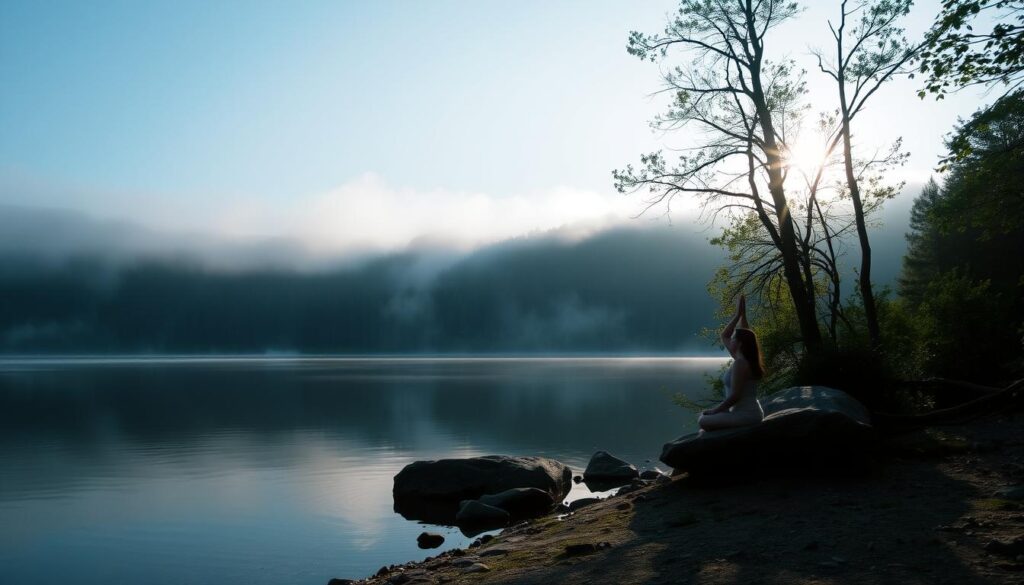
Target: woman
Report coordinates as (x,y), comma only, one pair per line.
(740,407)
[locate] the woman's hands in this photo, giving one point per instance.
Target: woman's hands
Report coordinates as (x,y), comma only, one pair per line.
(741,305)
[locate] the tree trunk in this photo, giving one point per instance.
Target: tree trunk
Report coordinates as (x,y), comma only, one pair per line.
(801,292)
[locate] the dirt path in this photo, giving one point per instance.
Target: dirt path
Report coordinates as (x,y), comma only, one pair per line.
(927,515)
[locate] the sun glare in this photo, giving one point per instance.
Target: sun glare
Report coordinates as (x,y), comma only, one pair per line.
(805,156)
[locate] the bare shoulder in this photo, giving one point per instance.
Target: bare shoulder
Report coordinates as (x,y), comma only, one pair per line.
(742,365)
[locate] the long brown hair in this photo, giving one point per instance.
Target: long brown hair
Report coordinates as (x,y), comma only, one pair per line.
(751,350)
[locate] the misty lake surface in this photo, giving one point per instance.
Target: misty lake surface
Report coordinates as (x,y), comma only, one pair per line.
(279,470)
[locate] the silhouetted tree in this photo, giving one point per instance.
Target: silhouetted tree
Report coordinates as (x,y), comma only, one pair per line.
(739,102)
(868,53)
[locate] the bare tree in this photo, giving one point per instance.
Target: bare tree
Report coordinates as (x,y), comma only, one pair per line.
(737,101)
(868,53)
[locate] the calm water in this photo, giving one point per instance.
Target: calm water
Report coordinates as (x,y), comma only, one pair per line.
(273,471)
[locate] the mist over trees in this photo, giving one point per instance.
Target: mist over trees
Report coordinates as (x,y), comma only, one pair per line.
(625,289)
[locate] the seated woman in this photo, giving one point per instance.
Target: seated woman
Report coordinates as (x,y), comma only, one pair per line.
(740,407)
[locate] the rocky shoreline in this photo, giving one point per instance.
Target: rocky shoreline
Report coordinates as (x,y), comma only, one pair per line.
(938,507)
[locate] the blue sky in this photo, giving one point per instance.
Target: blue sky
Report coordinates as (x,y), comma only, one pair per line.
(278,118)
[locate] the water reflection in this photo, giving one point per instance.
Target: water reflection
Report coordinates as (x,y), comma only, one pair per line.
(280,470)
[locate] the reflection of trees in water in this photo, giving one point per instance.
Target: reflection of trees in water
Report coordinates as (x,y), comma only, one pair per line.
(491,406)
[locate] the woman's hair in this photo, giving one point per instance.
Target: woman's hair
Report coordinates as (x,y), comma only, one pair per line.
(751,350)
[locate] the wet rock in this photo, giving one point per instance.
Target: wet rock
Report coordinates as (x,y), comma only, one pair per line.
(429,540)
(432,490)
(337,581)
(383,571)
(817,428)
(577,479)
(521,502)
(486,538)
(473,513)
(604,466)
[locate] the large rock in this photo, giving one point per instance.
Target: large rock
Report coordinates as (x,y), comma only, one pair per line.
(805,429)
(431,490)
(521,502)
(607,467)
(474,514)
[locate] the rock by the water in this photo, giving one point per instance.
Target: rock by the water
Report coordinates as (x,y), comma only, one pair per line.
(432,490)
(429,540)
(652,474)
(521,502)
(806,428)
(337,581)
(604,466)
(473,513)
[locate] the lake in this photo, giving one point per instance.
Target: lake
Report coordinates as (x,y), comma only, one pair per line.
(279,470)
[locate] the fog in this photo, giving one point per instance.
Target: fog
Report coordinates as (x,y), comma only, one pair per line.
(70,283)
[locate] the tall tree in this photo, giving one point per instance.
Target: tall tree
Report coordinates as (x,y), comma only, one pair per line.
(737,100)
(870,49)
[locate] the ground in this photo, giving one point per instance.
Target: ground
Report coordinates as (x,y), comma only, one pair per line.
(928,513)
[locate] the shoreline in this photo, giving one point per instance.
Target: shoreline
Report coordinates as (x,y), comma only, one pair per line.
(932,511)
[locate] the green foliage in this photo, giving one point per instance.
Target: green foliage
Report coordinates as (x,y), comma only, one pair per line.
(962,274)
(956,55)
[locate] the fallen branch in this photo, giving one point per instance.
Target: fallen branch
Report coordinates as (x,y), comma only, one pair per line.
(1008,398)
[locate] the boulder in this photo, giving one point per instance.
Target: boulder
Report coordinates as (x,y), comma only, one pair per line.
(527,502)
(474,514)
(807,429)
(605,467)
(432,490)
(429,540)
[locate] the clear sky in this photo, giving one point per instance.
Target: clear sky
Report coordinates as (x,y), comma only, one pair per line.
(359,123)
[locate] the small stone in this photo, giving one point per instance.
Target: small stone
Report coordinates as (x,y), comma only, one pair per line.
(429,540)
(337,581)
(577,478)
(382,571)
(486,538)
(652,473)
(476,568)
(475,543)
